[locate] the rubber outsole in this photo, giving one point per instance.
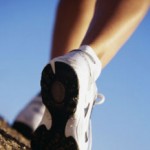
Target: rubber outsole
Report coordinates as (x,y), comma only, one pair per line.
(60,96)
(22,128)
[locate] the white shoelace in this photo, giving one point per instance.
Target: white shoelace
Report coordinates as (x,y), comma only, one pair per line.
(100,99)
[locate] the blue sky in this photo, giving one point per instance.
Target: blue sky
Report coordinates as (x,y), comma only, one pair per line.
(123,121)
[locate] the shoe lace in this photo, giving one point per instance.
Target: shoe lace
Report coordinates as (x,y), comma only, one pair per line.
(99,99)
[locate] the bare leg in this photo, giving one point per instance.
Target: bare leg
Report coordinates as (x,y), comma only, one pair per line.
(113,23)
(72,22)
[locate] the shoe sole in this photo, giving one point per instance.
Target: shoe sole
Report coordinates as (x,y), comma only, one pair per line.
(60,96)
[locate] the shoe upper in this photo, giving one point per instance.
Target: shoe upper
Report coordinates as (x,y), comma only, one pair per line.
(32,114)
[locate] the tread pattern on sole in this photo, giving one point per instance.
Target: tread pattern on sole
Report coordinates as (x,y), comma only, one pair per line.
(65,83)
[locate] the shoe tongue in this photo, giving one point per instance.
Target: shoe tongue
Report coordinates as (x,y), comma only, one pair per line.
(96,66)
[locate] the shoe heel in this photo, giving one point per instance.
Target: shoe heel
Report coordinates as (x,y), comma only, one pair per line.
(60,90)
(60,96)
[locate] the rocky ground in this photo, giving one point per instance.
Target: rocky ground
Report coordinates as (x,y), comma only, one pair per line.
(11,139)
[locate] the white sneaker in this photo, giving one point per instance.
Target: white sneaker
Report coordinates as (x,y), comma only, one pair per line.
(69,93)
(30,117)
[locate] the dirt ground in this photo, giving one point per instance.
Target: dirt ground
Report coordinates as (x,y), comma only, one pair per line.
(11,139)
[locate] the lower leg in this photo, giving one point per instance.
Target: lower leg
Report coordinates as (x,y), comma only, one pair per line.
(72,22)
(113,23)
